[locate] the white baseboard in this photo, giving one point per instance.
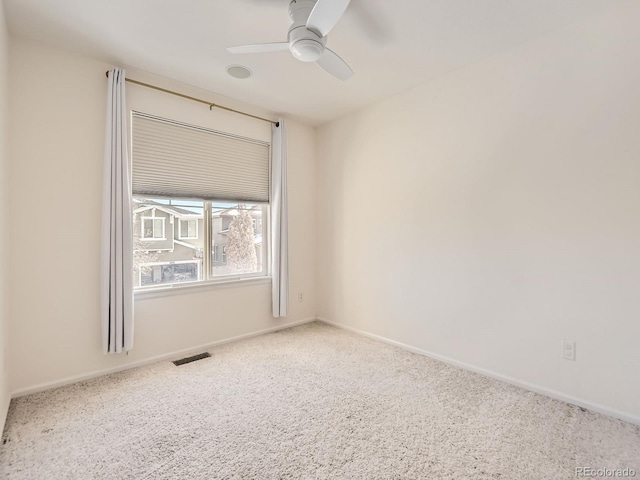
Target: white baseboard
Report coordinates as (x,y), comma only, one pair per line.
(165,356)
(627,417)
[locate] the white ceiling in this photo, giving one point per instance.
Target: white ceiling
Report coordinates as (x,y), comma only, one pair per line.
(391,45)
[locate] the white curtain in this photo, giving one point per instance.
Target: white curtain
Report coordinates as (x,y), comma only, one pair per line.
(279,222)
(117,250)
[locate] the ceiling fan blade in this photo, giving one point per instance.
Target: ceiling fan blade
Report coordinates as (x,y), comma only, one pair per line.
(334,65)
(260,48)
(325,15)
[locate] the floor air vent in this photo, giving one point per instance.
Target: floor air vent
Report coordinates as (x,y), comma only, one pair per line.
(182,361)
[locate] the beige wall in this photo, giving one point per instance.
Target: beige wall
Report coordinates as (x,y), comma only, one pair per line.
(57,125)
(487,215)
(4,218)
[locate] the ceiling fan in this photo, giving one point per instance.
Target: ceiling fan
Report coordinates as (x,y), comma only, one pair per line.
(307,36)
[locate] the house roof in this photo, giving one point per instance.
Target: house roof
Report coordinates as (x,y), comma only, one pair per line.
(188,245)
(147,205)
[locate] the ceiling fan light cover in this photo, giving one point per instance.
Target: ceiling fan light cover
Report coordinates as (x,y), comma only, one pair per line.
(306,50)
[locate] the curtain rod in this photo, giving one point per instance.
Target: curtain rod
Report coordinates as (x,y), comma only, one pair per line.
(211,105)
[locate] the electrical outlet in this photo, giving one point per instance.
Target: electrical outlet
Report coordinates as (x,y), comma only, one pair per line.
(300,297)
(568,349)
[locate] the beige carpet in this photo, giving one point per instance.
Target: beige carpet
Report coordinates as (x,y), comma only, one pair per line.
(311,402)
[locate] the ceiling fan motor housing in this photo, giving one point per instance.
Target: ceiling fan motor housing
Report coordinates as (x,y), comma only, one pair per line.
(304,44)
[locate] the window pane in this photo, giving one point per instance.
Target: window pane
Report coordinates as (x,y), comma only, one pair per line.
(236,229)
(147,228)
(158,228)
(159,256)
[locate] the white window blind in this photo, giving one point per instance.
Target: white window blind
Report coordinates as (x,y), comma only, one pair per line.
(172,159)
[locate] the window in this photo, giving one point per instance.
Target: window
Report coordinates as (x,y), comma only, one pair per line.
(153,228)
(236,248)
(210,191)
(188,229)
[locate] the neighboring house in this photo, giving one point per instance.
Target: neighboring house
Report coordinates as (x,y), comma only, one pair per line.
(169,243)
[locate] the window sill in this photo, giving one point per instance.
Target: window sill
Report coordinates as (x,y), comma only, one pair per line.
(180,289)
